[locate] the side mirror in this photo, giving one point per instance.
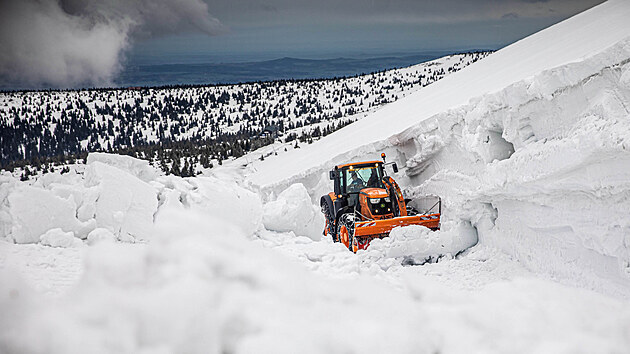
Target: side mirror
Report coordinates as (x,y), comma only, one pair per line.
(395,167)
(332,175)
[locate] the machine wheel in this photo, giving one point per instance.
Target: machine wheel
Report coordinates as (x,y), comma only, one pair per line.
(330,224)
(346,232)
(354,244)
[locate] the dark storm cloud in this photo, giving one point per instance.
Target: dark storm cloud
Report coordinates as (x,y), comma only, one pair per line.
(388,11)
(73,42)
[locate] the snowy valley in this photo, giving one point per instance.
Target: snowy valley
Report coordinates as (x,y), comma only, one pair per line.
(528,148)
(183,130)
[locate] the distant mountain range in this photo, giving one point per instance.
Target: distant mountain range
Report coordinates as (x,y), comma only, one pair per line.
(278,69)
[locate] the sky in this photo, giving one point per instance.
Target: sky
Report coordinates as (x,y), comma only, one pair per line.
(64,43)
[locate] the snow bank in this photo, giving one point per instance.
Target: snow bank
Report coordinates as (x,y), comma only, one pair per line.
(34,211)
(216,198)
(201,286)
(58,238)
(417,244)
(137,168)
(124,204)
(116,197)
(7,184)
(100,235)
(541,169)
(293,211)
(554,191)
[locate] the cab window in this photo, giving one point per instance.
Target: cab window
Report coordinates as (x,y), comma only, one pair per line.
(357,178)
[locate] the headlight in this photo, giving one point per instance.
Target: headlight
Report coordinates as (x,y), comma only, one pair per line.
(387,200)
(375,200)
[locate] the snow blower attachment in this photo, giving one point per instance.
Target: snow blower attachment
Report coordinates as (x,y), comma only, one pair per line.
(367,204)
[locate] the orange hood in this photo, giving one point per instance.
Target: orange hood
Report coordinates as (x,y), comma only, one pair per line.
(375,192)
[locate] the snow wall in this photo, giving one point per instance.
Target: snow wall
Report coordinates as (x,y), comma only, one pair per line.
(541,168)
(114,197)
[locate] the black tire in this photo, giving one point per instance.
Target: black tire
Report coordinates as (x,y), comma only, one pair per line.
(331,229)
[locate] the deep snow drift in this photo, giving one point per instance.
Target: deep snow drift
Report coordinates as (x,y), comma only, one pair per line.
(201,286)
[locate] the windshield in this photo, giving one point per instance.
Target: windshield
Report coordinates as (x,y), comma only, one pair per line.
(357,178)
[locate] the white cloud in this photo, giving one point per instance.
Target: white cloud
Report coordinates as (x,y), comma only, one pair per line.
(64,44)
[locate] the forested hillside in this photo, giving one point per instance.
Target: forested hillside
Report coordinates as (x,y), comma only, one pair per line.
(182,129)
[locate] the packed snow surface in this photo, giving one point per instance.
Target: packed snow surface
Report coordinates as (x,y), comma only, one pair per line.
(529,151)
(203,286)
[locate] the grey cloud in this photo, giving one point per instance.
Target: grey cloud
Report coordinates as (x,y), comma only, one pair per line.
(245,12)
(68,43)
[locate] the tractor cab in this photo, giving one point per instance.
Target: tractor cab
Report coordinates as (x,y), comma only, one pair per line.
(351,181)
(357,178)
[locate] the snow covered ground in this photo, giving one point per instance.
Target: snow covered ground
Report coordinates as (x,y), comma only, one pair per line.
(528,148)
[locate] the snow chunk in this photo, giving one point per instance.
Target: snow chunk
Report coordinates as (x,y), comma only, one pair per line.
(58,238)
(125,205)
(99,235)
(138,168)
(293,211)
(417,244)
(220,199)
(7,184)
(625,76)
(34,211)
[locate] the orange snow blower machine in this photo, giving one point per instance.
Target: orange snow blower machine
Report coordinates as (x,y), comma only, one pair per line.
(367,204)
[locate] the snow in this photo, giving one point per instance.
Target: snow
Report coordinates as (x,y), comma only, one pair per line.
(293,211)
(34,211)
(219,198)
(58,238)
(51,271)
(100,235)
(416,244)
(135,167)
(123,203)
(556,202)
(202,286)
(533,169)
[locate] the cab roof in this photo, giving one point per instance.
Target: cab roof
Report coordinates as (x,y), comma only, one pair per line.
(359,163)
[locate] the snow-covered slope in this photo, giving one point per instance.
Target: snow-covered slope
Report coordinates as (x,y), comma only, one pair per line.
(573,40)
(531,146)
